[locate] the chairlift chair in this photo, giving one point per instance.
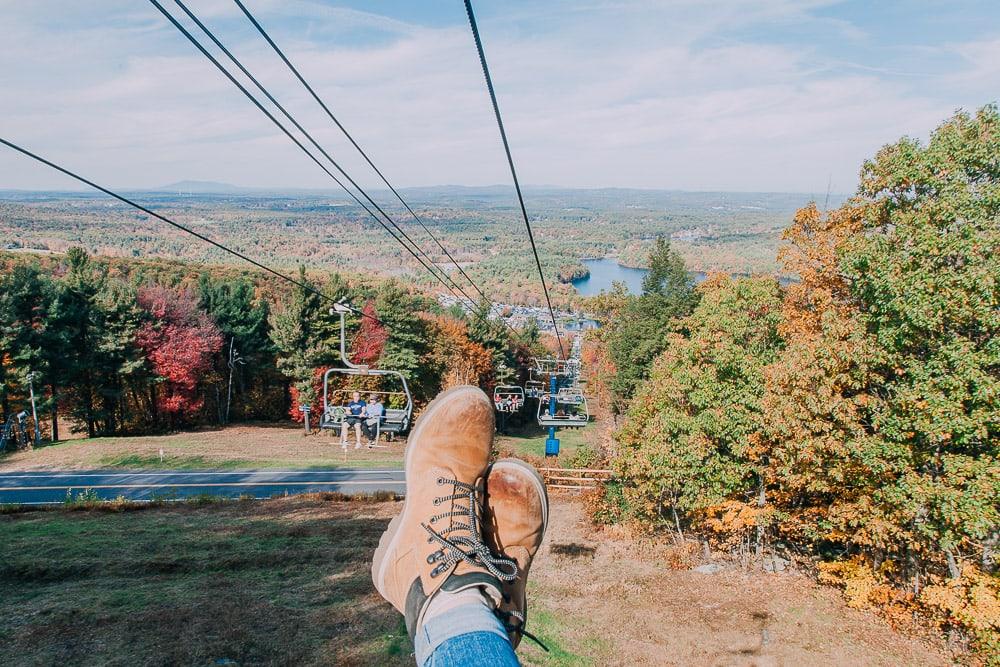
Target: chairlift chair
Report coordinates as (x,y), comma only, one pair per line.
(508,398)
(398,411)
(571,410)
(534,388)
(557,367)
(570,396)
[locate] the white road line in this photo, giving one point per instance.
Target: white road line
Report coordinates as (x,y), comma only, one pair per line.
(207,484)
(346,471)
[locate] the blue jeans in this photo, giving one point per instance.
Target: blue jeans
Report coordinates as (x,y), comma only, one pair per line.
(467,636)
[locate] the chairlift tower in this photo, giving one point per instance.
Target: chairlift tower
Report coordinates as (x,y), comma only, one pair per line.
(552,442)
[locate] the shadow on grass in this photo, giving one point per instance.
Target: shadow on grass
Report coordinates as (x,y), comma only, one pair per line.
(221,584)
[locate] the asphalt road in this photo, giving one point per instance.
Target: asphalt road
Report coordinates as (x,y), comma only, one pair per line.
(53,486)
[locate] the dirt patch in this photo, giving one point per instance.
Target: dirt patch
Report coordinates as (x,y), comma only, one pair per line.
(606,600)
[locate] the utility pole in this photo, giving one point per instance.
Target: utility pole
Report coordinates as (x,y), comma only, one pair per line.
(34,413)
(234,358)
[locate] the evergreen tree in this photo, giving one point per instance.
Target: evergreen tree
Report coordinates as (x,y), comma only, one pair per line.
(247,349)
(408,343)
(79,323)
(26,338)
(97,319)
(119,365)
(491,334)
(300,330)
(638,330)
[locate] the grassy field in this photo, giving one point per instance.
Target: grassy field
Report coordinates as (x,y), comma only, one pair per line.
(574,444)
(283,582)
(286,582)
(255,447)
(234,447)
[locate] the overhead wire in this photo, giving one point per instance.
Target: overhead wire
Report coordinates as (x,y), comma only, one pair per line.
(236,61)
(513,172)
(336,121)
(184,228)
(415,251)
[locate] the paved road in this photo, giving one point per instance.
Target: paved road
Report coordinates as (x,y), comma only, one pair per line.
(52,486)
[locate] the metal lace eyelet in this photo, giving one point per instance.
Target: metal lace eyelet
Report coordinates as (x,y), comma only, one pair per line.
(432,558)
(440,480)
(435,572)
(437,501)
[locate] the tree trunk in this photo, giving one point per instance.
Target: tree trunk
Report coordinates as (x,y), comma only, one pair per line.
(89,409)
(761,499)
(55,413)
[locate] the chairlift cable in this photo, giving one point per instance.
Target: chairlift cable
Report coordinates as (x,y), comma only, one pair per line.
(298,126)
(298,143)
(513,172)
(291,118)
(183,228)
(329,113)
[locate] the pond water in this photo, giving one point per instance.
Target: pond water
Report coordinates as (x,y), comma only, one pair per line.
(605,271)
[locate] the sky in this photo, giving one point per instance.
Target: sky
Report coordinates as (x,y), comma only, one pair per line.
(740,95)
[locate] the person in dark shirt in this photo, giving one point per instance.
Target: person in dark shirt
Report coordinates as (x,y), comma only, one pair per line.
(353,419)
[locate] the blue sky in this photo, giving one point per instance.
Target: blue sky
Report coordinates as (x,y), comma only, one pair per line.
(775,95)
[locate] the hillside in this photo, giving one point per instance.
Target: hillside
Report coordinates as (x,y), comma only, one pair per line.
(736,232)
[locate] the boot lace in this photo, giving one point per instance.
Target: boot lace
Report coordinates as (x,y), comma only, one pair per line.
(507,618)
(468,547)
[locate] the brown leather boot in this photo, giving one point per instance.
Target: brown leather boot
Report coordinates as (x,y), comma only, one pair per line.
(436,543)
(517,513)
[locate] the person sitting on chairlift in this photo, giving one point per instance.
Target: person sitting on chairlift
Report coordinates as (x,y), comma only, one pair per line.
(373,415)
(354,418)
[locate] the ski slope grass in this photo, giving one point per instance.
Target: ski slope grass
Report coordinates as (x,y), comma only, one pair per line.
(230,448)
(287,581)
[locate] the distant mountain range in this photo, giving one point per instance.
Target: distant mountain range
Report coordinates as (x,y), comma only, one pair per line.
(492,196)
(202,188)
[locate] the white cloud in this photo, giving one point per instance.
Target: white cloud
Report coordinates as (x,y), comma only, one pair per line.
(603,94)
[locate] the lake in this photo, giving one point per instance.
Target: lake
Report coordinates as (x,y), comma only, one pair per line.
(605,271)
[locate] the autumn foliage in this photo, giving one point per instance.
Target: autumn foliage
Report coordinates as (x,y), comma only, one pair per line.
(179,341)
(855,413)
(458,359)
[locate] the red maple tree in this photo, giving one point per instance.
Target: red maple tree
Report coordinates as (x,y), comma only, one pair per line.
(370,341)
(179,341)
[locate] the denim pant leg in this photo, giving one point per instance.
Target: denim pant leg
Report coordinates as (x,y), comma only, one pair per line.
(474,649)
(466,636)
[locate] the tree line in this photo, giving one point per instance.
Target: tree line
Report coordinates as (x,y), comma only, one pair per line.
(130,347)
(853,415)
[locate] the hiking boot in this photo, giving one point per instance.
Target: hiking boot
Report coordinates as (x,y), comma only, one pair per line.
(517,513)
(436,542)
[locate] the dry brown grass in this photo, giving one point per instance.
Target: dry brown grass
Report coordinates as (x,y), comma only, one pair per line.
(287,581)
(284,581)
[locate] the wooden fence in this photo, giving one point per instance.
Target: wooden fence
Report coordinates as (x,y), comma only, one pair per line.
(574,478)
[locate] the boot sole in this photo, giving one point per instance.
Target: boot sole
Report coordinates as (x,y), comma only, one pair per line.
(387,543)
